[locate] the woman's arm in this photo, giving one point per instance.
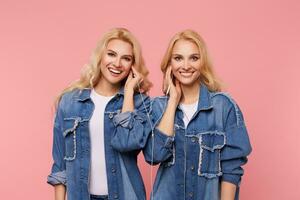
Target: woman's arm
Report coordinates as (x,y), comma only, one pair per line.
(234,153)
(57,177)
(133,79)
(60,192)
(166,124)
(227,191)
(132,124)
(160,145)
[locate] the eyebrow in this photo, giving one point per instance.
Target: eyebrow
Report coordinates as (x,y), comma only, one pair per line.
(117,53)
(194,54)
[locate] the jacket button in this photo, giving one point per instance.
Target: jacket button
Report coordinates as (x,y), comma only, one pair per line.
(110,115)
(116,196)
(191,194)
(192,167)
(113,170)
(193,140)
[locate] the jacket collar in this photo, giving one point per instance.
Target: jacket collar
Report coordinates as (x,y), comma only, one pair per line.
(204,98)
(85,94)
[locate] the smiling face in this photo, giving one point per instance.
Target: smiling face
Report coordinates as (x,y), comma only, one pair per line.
(116,61)
(185,62)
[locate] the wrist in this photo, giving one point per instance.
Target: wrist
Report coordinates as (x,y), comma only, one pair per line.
(173,101)
(172,105)
(128,90)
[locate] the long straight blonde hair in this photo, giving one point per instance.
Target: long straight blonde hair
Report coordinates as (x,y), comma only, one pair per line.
(207,75)
(91,73)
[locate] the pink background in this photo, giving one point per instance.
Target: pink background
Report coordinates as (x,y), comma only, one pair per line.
(254,45)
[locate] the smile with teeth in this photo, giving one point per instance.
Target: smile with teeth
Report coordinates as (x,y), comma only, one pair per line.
(186,73)
(115,71)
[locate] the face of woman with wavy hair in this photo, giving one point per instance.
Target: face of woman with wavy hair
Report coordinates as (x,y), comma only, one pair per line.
(185,62)
(116,61)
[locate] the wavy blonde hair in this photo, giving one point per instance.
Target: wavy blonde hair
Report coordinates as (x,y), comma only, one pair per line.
(91,72)
(207,75)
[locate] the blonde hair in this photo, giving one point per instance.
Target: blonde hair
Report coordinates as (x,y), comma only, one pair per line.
(91,72)
(207,75)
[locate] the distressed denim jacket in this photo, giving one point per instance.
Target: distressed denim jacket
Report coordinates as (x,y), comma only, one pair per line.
(125,134)
(211,149)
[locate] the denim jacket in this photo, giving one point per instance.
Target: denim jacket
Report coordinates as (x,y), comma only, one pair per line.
(211,149)
(125,134)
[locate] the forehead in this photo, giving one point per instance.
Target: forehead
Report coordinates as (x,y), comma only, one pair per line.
(185,47)
(120,46)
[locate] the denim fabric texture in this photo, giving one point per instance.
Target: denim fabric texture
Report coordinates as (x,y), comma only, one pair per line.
(211,149)
(125,134)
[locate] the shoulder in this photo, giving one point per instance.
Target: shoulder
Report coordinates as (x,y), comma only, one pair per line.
(69,101)
(223,99)
(141,96)
(70,96)
(224,102)
(141,100)
(159,102)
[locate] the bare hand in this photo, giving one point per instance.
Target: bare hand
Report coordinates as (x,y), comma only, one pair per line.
(134,79)
(173,90)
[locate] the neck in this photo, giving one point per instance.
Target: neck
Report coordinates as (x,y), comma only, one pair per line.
(190,93)
(105,88)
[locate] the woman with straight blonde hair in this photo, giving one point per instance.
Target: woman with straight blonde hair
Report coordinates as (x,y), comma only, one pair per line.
(100,125)
(199,136)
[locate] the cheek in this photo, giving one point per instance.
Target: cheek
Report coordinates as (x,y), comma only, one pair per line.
(106,60)
(175,66)
(126,64)
(197,66)
(127,69)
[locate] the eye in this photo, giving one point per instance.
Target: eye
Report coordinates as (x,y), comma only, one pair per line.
(177,58)
(195,58)
(128,59)
(111,54)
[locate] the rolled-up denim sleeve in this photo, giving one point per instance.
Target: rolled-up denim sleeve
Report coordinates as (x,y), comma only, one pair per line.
(58,171)
(159,147)
(237,147)
(132,128)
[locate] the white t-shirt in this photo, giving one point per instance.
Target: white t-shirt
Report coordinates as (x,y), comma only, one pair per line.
(188,111)
(98,177)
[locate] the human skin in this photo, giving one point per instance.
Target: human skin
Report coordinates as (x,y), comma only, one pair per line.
(116,65)
(185,67)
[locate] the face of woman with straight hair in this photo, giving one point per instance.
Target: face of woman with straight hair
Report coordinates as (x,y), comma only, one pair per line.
(185,62)
(116,62)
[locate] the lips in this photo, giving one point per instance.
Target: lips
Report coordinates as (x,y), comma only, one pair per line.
(114,71)
(186,74)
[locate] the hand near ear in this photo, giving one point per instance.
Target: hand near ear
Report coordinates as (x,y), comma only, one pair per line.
(134,80)
(171,89)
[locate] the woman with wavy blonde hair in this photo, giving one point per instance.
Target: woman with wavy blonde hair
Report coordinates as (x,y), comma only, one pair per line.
(200,137)
(100,125)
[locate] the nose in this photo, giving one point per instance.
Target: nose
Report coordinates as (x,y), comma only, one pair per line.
(117,62)
(186,65)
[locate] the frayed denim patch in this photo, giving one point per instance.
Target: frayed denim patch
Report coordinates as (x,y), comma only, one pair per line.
(73,131)
(210,144)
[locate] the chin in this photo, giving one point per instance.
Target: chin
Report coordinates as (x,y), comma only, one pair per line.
(187,82)
(115,81)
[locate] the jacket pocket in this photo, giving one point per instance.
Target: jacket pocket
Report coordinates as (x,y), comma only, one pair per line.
(71,125)
(211,144)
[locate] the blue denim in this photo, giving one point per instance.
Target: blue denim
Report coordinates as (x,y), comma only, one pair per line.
(125,134)
(212,148)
